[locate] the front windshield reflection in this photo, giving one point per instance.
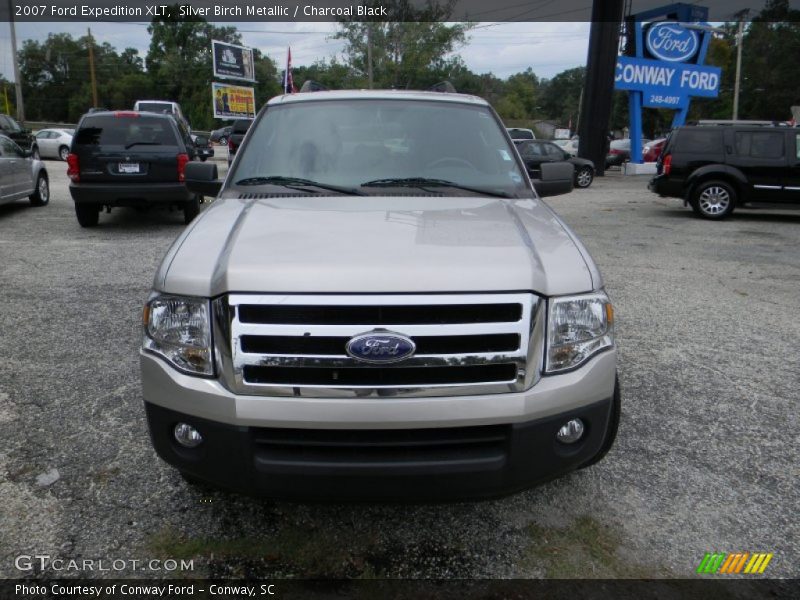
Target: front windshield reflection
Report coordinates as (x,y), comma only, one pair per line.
(349,143)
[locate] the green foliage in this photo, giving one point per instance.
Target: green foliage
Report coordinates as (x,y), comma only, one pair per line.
(180,65)
(56,81)
(560,98)
(400,53)
(769,63)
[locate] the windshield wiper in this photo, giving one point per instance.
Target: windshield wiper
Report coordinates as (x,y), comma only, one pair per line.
(132,144)
(291,182)
(423,182)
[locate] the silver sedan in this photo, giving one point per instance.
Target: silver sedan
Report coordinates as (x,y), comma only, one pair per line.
(54,143)
(21,176)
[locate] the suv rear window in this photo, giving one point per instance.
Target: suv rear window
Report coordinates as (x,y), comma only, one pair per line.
(520,134)
(699,141)
(156,107)
(110,130)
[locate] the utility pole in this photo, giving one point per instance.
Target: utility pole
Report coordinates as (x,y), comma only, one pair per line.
(741,15)
(17,78)
(91,67)
(599,85)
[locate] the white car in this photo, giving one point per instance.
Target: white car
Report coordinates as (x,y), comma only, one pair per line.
(54,143)
(568,146)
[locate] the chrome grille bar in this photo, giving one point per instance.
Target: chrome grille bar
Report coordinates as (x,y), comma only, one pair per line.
(452,373)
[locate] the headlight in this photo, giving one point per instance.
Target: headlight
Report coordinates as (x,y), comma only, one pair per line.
(578,328)
(178,329)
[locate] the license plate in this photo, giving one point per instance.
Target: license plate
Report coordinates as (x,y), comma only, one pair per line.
(128,167)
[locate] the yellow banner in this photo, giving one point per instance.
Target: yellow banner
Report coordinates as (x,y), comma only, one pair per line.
(233,101)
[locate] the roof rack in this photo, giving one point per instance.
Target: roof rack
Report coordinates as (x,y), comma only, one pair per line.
(731,122)
(312,86)
(443,86)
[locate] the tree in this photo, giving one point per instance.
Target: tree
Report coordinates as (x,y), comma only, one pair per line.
(179,62)
(399,53)
(55,76)
(560,96)
(769,63)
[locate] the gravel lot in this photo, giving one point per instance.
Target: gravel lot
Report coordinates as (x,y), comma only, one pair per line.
(706,458)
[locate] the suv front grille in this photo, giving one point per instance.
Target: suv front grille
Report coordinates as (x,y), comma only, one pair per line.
(296,345)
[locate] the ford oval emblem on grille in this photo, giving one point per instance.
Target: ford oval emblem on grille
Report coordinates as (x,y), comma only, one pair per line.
(380,347)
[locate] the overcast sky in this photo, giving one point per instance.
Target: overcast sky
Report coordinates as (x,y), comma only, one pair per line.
(500,48)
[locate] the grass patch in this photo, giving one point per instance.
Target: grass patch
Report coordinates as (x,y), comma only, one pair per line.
(584,549)
(290,552)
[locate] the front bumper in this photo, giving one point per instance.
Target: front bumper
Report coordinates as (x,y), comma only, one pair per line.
(379,448)
(419,464)
(129,194)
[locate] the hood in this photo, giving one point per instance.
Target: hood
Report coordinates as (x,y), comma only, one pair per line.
(371,244)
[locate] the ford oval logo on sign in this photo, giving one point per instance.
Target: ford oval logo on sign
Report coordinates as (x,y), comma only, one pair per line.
(380,347)
(672,42)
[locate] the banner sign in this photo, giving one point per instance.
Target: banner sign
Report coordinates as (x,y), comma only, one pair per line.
(666,84)
(233,101)
(232,62)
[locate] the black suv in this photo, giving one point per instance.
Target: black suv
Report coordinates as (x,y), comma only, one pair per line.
(716,168)
(129,158)
(23,137)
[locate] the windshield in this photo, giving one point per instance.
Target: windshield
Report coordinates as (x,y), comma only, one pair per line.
(356,142)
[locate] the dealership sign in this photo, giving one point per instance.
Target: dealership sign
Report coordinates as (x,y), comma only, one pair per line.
(671,42)
(664,65)
(666,84)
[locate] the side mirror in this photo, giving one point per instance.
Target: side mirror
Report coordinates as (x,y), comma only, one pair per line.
(557,178)
(202,178)
(201,141)
(26,153)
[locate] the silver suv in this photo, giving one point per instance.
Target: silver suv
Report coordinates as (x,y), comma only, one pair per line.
(378,306)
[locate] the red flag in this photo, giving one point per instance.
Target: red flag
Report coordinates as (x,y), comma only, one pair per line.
(288,82)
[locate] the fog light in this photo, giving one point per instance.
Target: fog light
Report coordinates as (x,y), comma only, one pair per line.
(187,435)
(571,431)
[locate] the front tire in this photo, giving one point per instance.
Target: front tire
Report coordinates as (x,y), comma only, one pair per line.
(41,195)
(191,209)
(88,215)
(584,177)
(63,153)
(714,200)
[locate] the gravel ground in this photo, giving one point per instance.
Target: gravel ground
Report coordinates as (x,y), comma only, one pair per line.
(705,459)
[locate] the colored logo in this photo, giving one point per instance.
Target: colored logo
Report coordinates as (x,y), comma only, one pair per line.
(735,564)
(380,347)
(671,42)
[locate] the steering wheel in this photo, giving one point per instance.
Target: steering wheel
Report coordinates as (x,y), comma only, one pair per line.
(461,162)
